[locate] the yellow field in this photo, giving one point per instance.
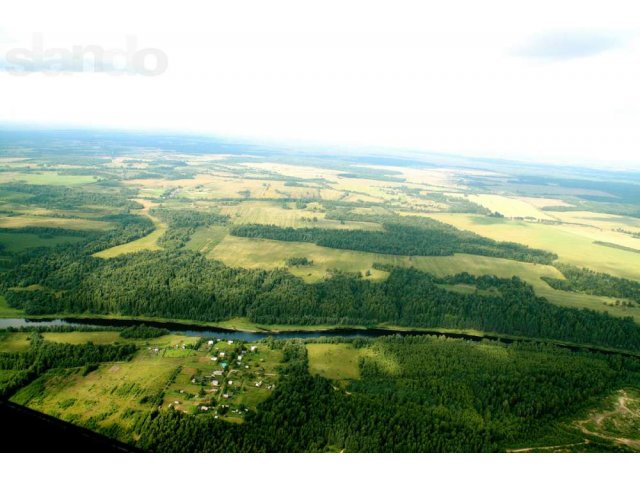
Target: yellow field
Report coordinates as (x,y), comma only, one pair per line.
(76,338)
(573,244)
(52,222)
(48,178)
(145,243)
(273,214)
(508,206)
(15,342)
(269,254)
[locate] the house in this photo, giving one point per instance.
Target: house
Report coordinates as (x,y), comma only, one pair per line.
(259,384)
(210,342)
(214,359)
(218,373)
(204,408)
(230,382)
(215,383)
(254,348)
(230,342)
(239,358)
(221,355)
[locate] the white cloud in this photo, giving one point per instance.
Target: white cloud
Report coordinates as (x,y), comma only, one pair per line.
(392,73)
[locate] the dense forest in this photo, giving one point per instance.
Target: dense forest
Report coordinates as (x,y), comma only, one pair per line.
(428,238)
(183,284)
(447,396)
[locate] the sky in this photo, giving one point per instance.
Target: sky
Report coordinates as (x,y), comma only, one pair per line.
(539,81)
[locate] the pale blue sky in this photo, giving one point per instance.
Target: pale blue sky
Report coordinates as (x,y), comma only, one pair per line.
(532,80)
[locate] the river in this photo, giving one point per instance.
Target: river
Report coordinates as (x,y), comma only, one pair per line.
(346,332)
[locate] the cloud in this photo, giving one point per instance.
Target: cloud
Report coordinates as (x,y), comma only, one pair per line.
(569,45)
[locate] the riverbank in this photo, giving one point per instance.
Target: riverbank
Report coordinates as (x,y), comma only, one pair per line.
(239,329)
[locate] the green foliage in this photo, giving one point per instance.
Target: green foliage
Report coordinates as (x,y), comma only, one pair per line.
(427,238)
(298,262)
(183,223)
(183,284)
(446,396)
(43,356)
(594,283)
(142,331)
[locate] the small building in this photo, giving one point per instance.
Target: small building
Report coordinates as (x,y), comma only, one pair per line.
(254,348)
(230,382)
(221,354)
(239,358)
(210,342)
(230,342)
(215,383)
(218,373)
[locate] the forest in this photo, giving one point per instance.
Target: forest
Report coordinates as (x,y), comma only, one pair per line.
(429,238)
(183,284)
(449,396)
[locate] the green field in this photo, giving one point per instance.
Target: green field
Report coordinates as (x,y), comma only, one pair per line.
(22,221)
(76,338)
(50,178)
(112,398)
(269,254)
(14,342)
(573,244)
(6,311)
(335,361)
(148,242)
(273,214)
(19,242)
(206,238)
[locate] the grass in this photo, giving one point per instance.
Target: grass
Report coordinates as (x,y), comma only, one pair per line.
(334,361)
(76,338)
(50,178)
(148,242)
(112,396)
(14,342)
(574,244)
(21,221)
(268,213)
(270,254)
(206,238)
(6,311)
(19,242)
(508,206)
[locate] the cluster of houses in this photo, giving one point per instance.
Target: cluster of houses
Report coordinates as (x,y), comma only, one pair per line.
(229,360)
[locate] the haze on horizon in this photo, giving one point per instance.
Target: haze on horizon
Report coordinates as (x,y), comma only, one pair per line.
(535,81)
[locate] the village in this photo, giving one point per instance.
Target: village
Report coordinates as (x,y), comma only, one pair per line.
(223,378)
